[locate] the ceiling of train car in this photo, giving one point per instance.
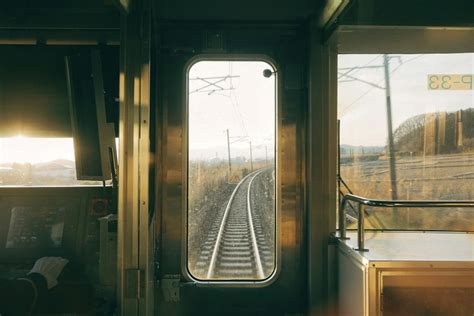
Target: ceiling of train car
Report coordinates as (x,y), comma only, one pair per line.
(392,12)
(56,4)
(236,10)
(247,10)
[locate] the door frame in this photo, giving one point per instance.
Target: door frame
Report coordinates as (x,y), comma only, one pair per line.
(287,293)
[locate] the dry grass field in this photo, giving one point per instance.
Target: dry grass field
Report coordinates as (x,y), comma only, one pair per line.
(440,177)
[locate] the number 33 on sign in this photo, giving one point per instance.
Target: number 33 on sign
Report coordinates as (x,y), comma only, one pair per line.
(450,82)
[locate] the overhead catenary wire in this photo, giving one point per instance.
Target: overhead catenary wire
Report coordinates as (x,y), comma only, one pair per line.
(213,83)
(351,105)
(235,102)
(232,98)
(357,68)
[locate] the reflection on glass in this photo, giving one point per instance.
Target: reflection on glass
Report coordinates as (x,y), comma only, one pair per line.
(428,154)
(231,170)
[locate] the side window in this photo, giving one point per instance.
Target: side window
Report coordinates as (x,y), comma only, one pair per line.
(407,133)
(37,161)
(47,98)
(231,212)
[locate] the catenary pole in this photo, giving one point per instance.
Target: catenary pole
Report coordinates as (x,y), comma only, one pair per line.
(391,147)
(228,155)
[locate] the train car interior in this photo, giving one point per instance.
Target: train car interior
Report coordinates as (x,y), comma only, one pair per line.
(237,158)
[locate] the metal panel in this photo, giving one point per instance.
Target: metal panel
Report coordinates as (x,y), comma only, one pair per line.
(123,5)
(33,92)
(404,260)
(244,10)
(321,172)
(408,12)
(128,173)
(135,280)
(416,246)
(352,286)
(146,297)
(45,18)
(404,39)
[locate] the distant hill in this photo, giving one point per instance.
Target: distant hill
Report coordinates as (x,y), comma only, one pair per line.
(56,164)
(63,163)
(358,150)
(219,152)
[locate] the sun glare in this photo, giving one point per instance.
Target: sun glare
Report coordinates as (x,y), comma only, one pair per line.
(21,149)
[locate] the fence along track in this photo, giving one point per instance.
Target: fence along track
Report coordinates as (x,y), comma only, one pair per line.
(235,253)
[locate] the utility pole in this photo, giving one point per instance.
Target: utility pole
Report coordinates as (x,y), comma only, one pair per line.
(266,156)
(228,154)
(391,147)
(199,171)
(251,158)
(388,98)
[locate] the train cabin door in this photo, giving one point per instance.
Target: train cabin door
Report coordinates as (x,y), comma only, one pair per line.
(230,135)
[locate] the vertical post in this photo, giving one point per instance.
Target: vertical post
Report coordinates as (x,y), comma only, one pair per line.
(228,154)
(199,171)
(342,219)
(266,156)
(441,137)
(459,129)
(391,147)
(360,229)
(429,146)
(338,150)
(135,265)
(338,176)
(251,158)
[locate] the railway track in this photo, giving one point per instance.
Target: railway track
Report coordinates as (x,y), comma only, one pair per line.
(236,248)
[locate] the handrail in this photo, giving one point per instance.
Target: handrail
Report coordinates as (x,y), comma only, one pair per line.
(364,202)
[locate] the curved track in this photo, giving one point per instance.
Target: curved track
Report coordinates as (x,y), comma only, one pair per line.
(235,247)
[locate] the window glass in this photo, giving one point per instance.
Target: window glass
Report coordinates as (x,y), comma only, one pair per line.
(231,170)
(407,133)
(31,161)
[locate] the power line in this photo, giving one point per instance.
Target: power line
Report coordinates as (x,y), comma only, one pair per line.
(355,69)
(235,104)
(235,101)
(214,83)
(347,108)
(388,100)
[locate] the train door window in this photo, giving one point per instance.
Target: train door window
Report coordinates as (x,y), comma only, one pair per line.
(407,133)
(231,212)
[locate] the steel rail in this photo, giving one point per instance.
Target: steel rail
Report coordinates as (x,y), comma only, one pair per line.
(258,261)
(212,264)
(364,202)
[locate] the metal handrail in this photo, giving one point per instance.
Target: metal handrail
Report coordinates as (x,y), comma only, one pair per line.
(364,202)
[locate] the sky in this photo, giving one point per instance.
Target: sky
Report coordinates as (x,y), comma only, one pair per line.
(246,108)
(35,150)
(362,108)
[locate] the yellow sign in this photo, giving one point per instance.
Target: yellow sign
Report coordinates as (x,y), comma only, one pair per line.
(450,82)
